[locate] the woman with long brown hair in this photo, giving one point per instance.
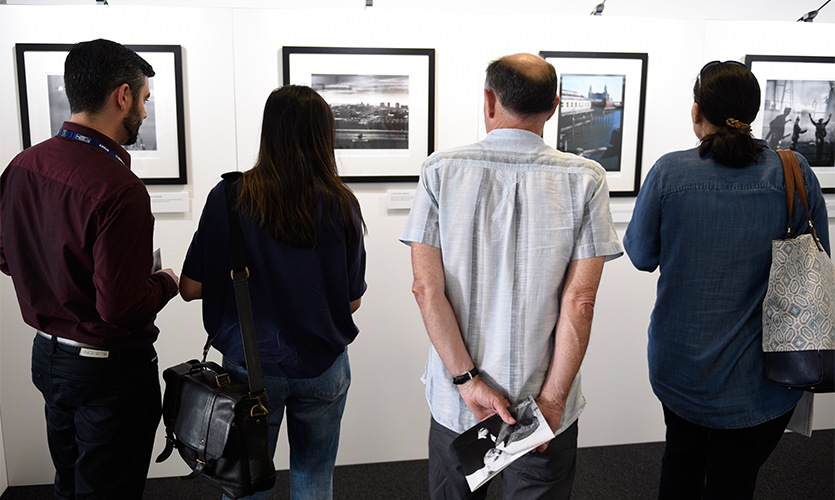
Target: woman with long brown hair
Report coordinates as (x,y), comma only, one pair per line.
(303,243)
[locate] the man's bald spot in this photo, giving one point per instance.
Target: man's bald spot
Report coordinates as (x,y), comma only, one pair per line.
(533,66)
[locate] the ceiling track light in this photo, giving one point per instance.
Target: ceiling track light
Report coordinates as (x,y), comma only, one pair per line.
(811,15)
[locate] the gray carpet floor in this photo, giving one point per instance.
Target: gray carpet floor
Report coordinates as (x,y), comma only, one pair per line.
(799,469)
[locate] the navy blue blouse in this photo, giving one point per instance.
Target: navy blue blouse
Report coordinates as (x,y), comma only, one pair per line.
(300,297)
(709,228)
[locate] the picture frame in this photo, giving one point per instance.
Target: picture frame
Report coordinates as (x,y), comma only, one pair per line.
(159,156)
(796,104)
(605,122)
(379,137)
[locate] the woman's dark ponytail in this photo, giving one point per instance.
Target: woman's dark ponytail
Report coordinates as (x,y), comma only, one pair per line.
(728,96)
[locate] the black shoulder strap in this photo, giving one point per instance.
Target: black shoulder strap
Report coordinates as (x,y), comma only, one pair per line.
(239,277)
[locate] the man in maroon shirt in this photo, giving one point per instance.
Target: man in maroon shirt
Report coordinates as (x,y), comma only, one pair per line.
(76,236)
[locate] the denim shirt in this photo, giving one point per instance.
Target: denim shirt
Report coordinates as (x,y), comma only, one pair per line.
(709,228)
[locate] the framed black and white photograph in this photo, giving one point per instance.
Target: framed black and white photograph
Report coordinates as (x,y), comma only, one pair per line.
(796,106)
(159,154)
(383,101)
(601,112)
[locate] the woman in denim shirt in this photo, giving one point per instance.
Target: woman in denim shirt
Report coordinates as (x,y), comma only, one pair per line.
(706,217)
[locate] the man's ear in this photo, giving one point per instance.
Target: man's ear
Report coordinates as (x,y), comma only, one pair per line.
(489,104)
(554,109)
(123,97)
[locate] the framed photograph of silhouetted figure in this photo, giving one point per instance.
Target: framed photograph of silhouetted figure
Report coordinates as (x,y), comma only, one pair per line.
(383,102)
(601,112)
(796,106)
(159,154)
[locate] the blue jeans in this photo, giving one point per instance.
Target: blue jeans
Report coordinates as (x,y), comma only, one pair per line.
(101,418)
(314,414)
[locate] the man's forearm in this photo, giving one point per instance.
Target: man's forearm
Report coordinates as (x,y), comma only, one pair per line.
(442,327)
(573,328)
(570,343)
(437,313)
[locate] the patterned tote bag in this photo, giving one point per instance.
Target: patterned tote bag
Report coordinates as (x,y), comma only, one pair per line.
(799,306)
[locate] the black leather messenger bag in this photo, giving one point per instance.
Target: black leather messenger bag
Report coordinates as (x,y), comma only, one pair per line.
(219,426)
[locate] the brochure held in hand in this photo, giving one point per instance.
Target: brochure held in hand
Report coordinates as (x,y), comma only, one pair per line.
(491,445)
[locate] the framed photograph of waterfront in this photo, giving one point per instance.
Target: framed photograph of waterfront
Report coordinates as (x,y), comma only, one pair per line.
(159,154)
(601,112)
(797,103)
(383,101)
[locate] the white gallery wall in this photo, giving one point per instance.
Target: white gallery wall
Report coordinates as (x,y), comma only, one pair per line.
(232,60)
(4,477)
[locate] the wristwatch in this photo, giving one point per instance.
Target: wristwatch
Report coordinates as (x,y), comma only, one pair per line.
(466,377)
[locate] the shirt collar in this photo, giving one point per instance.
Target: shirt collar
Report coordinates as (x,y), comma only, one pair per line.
(515,134)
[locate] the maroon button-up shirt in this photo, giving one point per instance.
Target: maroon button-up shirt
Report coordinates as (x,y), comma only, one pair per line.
(76,236)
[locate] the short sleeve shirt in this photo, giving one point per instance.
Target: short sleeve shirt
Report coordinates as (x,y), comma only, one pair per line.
(509,213)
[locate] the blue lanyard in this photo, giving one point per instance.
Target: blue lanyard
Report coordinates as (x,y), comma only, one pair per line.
(89,140)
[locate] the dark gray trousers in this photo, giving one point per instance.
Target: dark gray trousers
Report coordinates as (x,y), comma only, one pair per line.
(548,475)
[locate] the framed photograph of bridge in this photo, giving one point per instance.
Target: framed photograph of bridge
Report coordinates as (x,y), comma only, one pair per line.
(383,101)
(159,154)
(797,101)
(601,112)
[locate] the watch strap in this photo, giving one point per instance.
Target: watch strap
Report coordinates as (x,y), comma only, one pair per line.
(466,377)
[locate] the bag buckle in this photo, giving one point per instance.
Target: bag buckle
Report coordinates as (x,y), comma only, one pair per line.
(259,410)
(223,379)
(232,273)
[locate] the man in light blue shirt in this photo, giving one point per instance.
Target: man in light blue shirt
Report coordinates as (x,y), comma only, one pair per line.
(508,239)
